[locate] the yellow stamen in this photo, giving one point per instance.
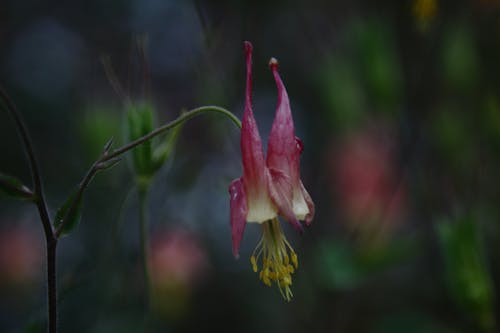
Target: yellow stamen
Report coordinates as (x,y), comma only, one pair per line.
(279,260)
(295,260)
(254,264)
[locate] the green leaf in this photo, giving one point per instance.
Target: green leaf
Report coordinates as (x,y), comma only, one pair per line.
(466,272)
(70,213)
(13,187)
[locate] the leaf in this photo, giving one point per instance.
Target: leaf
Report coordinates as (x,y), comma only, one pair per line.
(13,187)
(69,213)
(466,272)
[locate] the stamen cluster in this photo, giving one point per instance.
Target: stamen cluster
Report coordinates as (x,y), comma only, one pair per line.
(279,260)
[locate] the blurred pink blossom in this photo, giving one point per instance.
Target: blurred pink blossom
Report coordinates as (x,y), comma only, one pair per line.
(21,254)
(367,180)
(177,263)
(176,257)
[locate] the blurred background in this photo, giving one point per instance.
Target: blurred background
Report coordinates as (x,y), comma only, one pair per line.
(398,106)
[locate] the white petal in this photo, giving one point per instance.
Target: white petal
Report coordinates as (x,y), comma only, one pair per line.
(300,208)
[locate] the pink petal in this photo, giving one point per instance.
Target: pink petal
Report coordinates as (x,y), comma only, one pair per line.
(238,207)
(283,149)
(310,204)
(281,192)
(251,143)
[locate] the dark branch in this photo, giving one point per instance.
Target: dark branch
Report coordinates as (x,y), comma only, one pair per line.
(35,171)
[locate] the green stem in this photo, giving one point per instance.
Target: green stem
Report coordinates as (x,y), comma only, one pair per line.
(182,118)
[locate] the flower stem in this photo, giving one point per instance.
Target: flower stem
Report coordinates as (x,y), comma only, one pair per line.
(52,285)
(182,118)
(39,200)
(35,170)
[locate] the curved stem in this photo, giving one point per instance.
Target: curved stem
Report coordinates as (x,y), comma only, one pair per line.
(182,118)
(34,169)
(39,200)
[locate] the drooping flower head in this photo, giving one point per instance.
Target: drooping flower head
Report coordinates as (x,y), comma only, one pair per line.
(270,187)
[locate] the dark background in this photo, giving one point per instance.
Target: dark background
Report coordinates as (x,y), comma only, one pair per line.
(398,106)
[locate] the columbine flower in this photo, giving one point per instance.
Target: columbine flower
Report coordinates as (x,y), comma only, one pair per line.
(270,187)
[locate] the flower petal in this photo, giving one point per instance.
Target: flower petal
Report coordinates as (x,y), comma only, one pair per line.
(283,148)
(251,143)
(281,192)
(310,204)
(238,206)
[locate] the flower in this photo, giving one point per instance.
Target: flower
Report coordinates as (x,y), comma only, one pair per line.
(270,187)
(176,258)
(368,182)
(20,261)
(178,263)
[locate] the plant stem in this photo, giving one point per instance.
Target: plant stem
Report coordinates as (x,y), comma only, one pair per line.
(182,118)
(39,200)
(51,285)
(34,169)
(144,242)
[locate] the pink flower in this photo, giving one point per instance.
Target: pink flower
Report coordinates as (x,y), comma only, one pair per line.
(20,260)
(270,187)
(176,258)
(366,176)
(178,263)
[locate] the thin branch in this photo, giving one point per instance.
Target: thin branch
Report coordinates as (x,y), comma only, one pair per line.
(106,156)
(182,118)
(39,199)
(35,171)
